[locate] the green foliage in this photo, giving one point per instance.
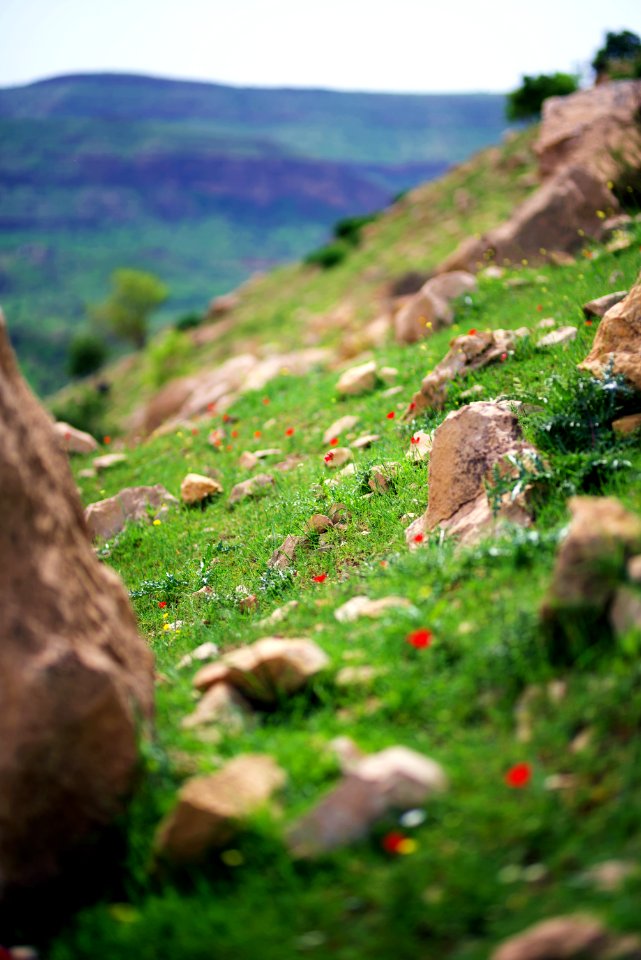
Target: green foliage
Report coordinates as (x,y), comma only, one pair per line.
(526,101)
(167,589)
(350,228)
(126,312)
(189,321)
(167,357)
(619,57)
(87,410)
(87,353)
(328,256)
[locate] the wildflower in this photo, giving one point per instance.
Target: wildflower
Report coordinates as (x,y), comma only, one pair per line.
(588,323)
(391,415)
(211,407)
(157,522)
(166,626)
(519,775)
(234,434)
(162,603)
(415,440)
(320,578)
(539,307)
(266,401)
(392,841)
(226,418)
(194,431)
(471,332)
(333,442)
(289,432)
(106,440)
(328,457)
(418,538)
(503,357)
(257,434)
(419,639)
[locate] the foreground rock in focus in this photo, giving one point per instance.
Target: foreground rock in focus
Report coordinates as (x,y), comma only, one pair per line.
(76,680)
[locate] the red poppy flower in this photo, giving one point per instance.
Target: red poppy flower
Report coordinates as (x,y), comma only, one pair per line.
(266,400)
(328,457)
(320,578)
(539,307)
(333,442)
(419,538)
(415,440)
(211,407)
(391,415)
(226,418)
(257,433)
(471,332)
(412,406)
(289,432)
(392,841)
(194,431)
(162,603)
(234,434)
(503,357)
(588,323)
(106,440)
(519,775)
(419,638)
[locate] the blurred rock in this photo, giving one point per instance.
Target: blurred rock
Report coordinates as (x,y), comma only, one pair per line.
(73,440)
(195,488)
(106,518)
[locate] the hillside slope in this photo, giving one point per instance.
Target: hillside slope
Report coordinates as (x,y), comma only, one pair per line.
(200,183)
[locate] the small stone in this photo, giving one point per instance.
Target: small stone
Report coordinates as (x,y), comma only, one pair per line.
(267,452)
(337,457)
(420,446)
(108,460)
(206,651)
(250,488)
(625,612)
(558,337)
(73,440)
(221,704)
(474,391)
(105,518)
(348,471)
(285,555)
(493,272)
(366,441)
(362,606)
(610,875)
(392,392)
(625,426)
(339,427)
(87,474)
(195,488)
(347,753)
(248,604)
(248,460)
(319,523)
(547,323)
(357,676)
(388,374)
(278,615)
(210,808)
(357,380)
(600,306)
(634,569)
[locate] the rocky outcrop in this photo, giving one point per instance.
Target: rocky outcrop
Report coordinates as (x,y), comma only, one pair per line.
(467,446)
(106,518)
(76,680)
(73,440)
(617,344)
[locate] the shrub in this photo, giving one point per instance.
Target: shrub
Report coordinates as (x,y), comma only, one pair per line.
(525,103)
(167,357)
(327,257)
(188,321)
(87,353)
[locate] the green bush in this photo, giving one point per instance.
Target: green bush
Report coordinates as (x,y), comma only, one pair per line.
(86,411)
(619,57)
(87,353)
(328,256)
(188,321)
(525,103)
(167,357)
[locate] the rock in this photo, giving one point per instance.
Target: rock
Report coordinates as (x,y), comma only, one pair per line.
(266,669)
(195,488)
(339,427)
(285,555)
(73,440)
(394,778)
(448,286)
(357,380)
(106,518)
(420,446)
(634,569)
(76,680)
(617,341)
(221,704)
(625,613)
(624,426)
(267,452)
(359,607)
(206,651)
(358,676)
(574,937)
(348,471)
(547,323)
(610,875)
(319,523)
(361,443)
(467,353)
(558,337)
(600,306)
(222,305)
(337,457)
(469,443)
(278,615)
(429,309)
(210,809)
(388,374)
(591,560)
(248,460)
(250,488)
(108,460)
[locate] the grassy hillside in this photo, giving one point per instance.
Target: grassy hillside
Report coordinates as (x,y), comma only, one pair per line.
(200,183)
(488,857)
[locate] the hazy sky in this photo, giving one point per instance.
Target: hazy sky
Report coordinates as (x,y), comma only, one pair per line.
(395,45)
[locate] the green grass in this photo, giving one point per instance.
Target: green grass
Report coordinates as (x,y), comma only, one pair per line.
(489,859)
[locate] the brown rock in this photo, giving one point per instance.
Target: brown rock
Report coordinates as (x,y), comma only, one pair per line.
(106,518)
(221,704)
(359,607)
(624,426)
(266,669)
(278,615)
(76,680)
(359,676)
(339,427)
(195,488)
(250,488)
(424,314)
(591,560)
(357,380)
(618,339)
(469,443)
(574,937)
(610,875)
(108,460)
(362,443)
(248,460)
(600,306)
(222,305)
(625,613)
(285,555)
(205,651)
(210,809)
(319,523)
(467,353)
(73,440)
(394,778)
(558,337)
(337,457)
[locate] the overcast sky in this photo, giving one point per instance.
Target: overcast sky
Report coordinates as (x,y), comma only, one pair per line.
(393,45)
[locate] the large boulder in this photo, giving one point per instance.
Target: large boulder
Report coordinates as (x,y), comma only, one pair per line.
(467,446)
(617,344)
(429,310)
(76,680)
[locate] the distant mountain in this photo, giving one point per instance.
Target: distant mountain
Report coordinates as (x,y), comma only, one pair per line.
(200,183)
